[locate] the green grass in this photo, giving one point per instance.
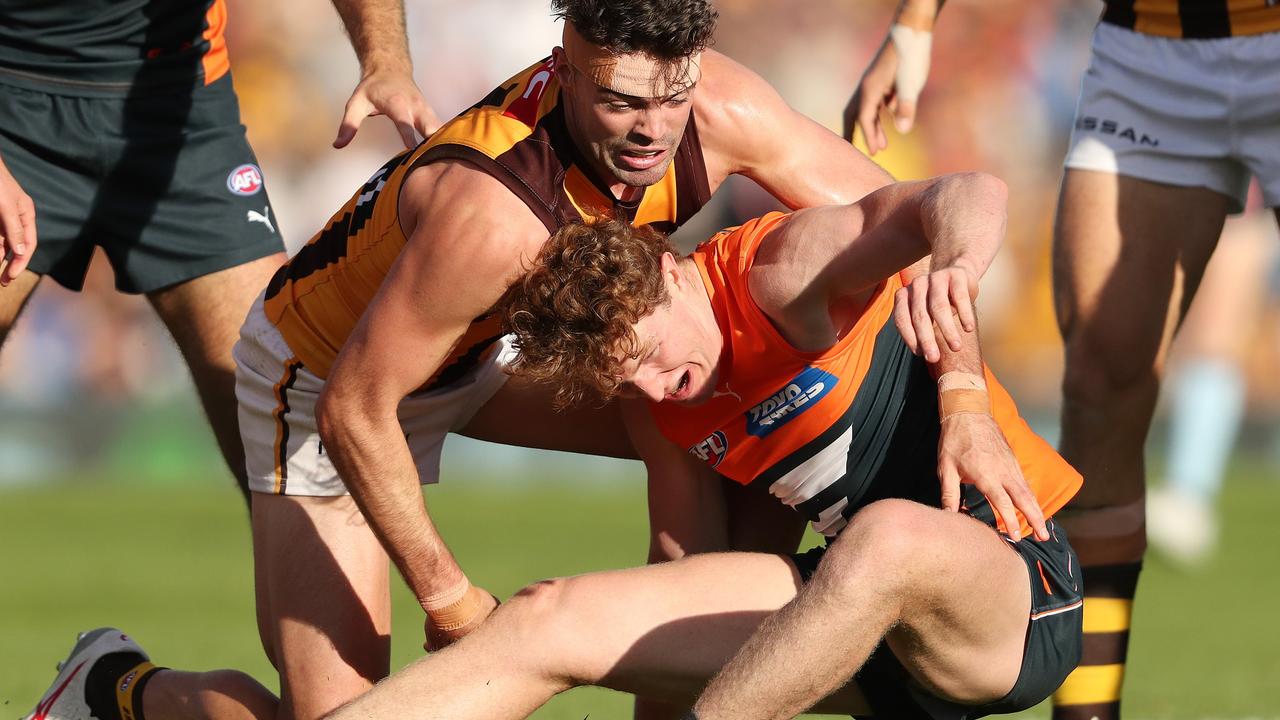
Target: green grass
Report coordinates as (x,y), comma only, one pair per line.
(171,565)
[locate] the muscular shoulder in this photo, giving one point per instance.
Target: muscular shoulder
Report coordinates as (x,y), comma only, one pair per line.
(732,104)
(465,226)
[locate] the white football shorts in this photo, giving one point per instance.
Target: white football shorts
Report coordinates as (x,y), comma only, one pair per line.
(277,397)
(1193,113)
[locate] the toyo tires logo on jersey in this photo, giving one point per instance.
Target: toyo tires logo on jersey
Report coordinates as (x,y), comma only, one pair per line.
(785,405)
(712,450)
(245,180)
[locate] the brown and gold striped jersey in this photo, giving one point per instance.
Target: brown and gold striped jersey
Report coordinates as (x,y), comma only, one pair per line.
(518,135)
(1194,19)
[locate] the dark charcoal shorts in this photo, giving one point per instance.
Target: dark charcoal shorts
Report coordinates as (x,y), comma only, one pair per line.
(165,184)
(1052,648)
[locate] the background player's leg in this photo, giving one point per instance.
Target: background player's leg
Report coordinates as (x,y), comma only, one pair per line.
(1206,390)
(204,316)
(660,630)
(952,595)
(324,605)
(521,413)
(1128,256)
(13,299)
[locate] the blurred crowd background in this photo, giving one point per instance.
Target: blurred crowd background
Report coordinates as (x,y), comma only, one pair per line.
(91,382)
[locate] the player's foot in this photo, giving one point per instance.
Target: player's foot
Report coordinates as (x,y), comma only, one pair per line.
(1181,527)
(66,698)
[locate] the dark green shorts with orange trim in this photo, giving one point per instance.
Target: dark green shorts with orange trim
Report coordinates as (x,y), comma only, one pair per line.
(165,183)
(1051,650)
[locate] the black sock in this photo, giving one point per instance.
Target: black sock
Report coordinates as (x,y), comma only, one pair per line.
(100,684)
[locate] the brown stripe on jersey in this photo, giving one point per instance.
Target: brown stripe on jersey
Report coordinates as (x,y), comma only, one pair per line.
(1120,12)
(461,365)
(282,426)
(1111,581)
(1096,711)
(1204,19)
(533,169)
(693,190)
(331,244)
(1104,648)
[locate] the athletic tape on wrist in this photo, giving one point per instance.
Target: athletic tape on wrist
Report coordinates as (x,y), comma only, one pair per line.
(958,380)
(914,47)
(956,402)
(447,597)
(461,612)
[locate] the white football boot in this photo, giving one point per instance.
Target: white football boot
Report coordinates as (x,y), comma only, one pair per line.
(64,700)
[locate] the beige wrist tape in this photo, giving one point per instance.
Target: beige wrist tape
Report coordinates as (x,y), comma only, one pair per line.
(961,392)
(460,612)
(914,49)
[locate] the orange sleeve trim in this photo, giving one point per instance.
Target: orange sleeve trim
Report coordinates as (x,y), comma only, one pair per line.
(216,62)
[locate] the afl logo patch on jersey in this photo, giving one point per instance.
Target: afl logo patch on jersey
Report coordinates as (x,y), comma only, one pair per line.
(785,405)
(245,180)
(712,450)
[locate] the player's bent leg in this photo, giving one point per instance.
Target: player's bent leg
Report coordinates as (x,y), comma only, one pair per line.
(1128,257)
(13,299)
(660,630)
(324,609)
(204,316)
(521,413)
(950,597)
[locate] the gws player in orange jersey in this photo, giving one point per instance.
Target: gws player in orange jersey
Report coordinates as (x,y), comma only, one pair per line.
(770,356)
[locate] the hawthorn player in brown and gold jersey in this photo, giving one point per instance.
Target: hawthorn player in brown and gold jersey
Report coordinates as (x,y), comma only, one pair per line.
(1179,109)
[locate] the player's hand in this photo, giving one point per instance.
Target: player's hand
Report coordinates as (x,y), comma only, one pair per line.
(390,93)
(438,638)
(876,90)
(17,227)
(893,80)
(972,449)
(939,302)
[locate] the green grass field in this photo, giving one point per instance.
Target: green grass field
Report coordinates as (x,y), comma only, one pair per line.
(171,565)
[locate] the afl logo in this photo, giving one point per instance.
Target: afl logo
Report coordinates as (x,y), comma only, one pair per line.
(245,180)
(712,450)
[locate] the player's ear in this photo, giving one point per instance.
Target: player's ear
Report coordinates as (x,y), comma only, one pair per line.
(562,66)
(671,269)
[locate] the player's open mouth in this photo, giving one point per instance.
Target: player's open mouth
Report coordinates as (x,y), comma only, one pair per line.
(641,159)
(682,388)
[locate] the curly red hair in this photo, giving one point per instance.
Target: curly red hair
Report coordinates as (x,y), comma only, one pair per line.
(573,313)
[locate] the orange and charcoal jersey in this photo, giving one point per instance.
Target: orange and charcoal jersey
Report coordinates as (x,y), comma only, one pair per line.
(830,432)
(111,47)
(1194,19)
(518,135)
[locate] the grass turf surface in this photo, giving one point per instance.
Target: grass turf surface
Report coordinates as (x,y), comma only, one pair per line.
(171,565)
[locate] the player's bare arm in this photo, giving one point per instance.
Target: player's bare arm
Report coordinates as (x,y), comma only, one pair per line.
(377,32)
(746,127)
(832,257)
(459,260)
(687,512)
(17,227)
(896,75)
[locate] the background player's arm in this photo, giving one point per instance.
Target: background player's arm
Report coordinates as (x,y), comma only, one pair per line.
(466,241)
(747,128)
(376,29)
(17,227)
(896,75)
(687,512)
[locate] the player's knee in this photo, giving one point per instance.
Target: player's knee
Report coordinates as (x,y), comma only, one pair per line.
(884,540)
(547,618)
(1099,371)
